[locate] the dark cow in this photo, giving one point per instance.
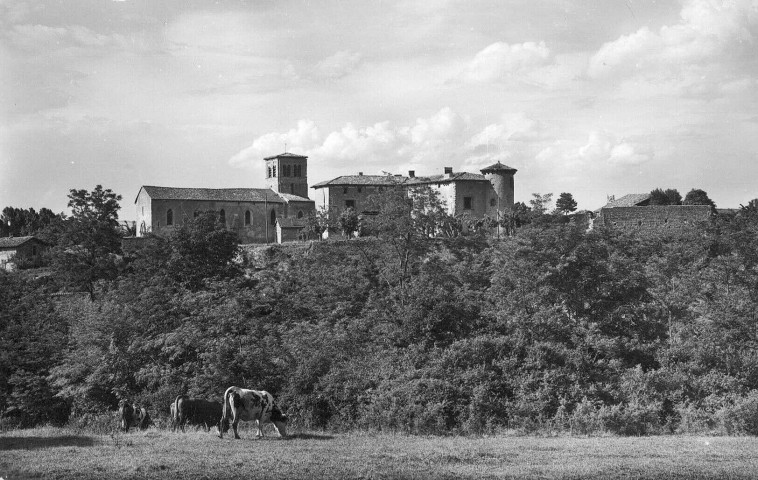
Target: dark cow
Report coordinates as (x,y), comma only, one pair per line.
(194,411)
(251,405)
(133,416)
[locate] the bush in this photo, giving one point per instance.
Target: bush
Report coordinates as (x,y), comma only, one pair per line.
(96,424)
(741,417)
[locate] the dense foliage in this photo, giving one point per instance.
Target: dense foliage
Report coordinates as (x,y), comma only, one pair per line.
(555,327)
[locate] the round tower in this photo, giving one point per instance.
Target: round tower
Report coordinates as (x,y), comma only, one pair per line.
(501,178)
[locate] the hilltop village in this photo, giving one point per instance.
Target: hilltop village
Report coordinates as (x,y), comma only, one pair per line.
(279,212)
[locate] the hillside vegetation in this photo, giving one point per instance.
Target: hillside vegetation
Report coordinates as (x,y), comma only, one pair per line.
(553,329)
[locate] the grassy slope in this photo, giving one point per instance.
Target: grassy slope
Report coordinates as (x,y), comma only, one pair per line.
(57,453)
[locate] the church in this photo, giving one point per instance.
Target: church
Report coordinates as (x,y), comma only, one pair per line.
(279,212)
(276,213)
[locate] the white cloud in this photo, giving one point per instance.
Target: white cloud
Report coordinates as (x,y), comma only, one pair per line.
(338,65)
(301,139)
(500,60)
(605,147)
(45,39)
(709,32)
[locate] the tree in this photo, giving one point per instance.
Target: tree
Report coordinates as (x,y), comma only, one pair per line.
(540,204)
(698,197)
(201,249)
(349,222)
(21,222)
(90,241)
(669,196)
(565,203)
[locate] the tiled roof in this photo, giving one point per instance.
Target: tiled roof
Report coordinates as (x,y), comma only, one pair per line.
(499,167)
(631,200)
(214,194)
(456,177)
(13,242)
(294,198)
(286,155)
(391,180)
(346,180)
(292,222)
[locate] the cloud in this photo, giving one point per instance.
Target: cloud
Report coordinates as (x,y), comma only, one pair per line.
(709,32)
(303,138)
(338,65)
(513,128)
(605,147)
(438,138)
(44,39)
(501,60)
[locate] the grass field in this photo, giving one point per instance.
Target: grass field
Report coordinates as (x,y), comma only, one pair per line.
(61,453)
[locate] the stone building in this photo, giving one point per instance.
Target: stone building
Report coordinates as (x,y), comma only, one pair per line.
(633,212)
(21,251)
(479,195)
(252,212)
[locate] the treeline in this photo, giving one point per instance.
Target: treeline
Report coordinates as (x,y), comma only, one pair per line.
(555,328)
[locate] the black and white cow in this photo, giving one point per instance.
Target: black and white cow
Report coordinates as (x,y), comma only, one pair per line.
(133,416)
(251,405)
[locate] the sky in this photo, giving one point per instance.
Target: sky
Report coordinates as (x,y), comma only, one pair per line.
(590,97)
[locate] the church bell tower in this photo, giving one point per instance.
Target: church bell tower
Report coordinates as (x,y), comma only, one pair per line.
(287,173)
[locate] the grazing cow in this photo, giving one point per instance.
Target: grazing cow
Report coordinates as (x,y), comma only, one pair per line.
(251,405)
(133,416)
(195,411)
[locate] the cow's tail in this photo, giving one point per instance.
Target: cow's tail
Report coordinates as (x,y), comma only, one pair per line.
(176,417)
(223,424)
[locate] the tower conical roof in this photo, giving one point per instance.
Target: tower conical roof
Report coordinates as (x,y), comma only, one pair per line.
(497,168)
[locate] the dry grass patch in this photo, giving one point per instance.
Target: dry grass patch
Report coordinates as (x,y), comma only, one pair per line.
(61,453)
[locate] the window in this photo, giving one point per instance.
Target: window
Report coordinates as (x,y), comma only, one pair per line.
(359,189)
(292,188)
(273,217)
(169,217)
(298,171)
(299,214)
(344,190)
(467,203)
(492,202)
(34,250)
(222,216)
(269,172)
(195,215)
(247,218)
(350,204)
(273,171)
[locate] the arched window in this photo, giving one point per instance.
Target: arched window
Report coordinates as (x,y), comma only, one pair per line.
(273,217)
(169,217)
(142,229)
(222,216)
(299,214)
(248,218)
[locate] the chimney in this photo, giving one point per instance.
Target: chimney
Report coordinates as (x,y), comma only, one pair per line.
(412,173)
(449,171)
(360,174)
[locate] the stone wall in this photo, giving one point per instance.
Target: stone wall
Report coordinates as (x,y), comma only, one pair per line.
(658,218)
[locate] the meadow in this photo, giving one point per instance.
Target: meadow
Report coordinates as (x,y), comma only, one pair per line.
(66,453)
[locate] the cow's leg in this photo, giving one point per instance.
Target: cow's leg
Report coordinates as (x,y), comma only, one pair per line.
(258,430)
(235,422)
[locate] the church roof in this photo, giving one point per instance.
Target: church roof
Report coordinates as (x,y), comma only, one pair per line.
(285,155)
(499,167)
(214,194)
(293,198)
